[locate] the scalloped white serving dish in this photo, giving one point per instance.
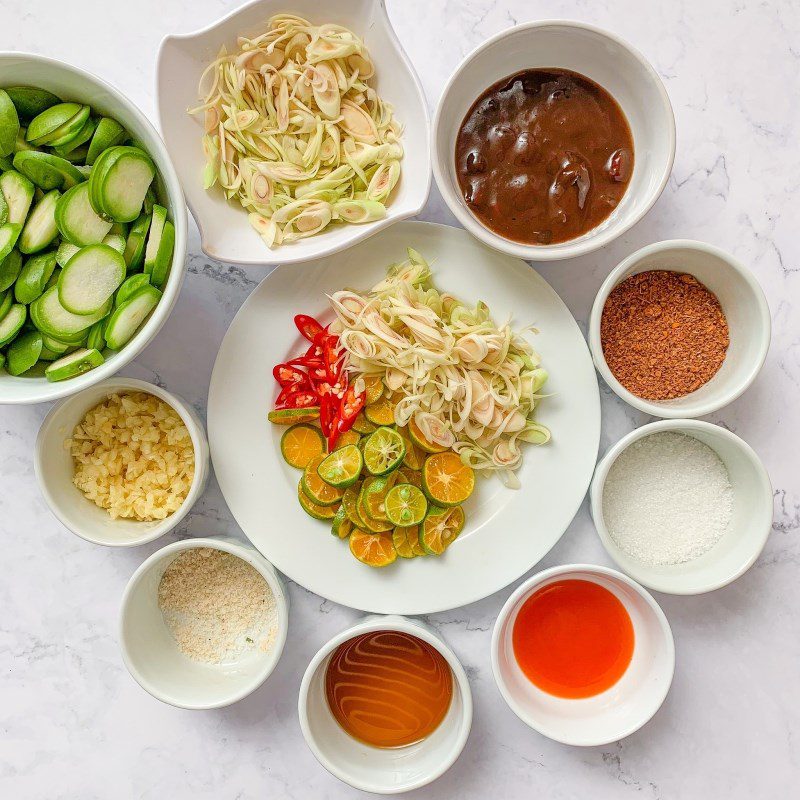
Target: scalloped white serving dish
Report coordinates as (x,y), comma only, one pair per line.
(225,232)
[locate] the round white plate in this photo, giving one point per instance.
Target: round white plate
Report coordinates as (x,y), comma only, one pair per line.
(507,531)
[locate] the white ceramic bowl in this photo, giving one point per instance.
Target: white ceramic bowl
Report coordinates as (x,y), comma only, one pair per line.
(742,301)
(620,710)
(225,231)
(378,770)
(54,468)
(152,656)
(597,54)
(72,83)
(751,521)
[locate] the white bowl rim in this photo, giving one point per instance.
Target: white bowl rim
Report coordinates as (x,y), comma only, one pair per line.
(661,409)
(148,332)
(583,246)
(526,588)
(199,443)
(359,232)
(598,485)
(380,622)
(257,561)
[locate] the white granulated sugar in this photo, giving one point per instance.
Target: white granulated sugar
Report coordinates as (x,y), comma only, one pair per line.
(667,499)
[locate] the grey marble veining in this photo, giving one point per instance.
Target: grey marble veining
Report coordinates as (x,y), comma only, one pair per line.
(73,724)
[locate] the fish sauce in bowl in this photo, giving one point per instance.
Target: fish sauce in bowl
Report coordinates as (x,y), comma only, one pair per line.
(388,689)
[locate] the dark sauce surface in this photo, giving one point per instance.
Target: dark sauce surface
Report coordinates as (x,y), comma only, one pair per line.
(544,156)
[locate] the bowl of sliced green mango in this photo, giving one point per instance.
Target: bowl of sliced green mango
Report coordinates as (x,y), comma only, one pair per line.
(92,230)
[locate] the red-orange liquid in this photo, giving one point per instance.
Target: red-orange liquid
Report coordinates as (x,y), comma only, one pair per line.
(388,689)
(573,638)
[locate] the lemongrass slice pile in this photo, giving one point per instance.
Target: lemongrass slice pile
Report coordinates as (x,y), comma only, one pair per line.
(468,383)
(295,133)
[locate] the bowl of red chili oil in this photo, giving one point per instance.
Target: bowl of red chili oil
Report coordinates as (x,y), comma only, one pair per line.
(583,654)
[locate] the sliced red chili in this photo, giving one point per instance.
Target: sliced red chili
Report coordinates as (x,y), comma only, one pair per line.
(308,326)
(328,405)
(351,404)
(288,375)
(330,356)
(303,399)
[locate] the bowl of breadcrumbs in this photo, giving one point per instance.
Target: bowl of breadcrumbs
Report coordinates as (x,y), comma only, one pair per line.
(122,462)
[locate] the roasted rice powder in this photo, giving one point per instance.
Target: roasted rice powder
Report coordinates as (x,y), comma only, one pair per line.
(663,334)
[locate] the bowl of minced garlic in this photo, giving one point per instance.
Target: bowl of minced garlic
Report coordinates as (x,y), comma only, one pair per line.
(679,329)
(122,462)
(203,622)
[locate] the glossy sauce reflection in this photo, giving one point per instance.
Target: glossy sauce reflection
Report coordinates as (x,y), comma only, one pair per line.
(388,689)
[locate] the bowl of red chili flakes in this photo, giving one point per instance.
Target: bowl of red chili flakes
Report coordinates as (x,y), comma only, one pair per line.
(679,329)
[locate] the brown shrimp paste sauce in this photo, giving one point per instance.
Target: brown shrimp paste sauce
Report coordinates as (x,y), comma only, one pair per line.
(544,156)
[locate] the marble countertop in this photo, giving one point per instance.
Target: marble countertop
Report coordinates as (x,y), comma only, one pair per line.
(73,723)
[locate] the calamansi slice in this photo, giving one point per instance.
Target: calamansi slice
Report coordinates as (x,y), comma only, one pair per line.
(317,489)
(384,451)
(412,476)
(342,467)
(446,480)
(362,425)
(380,412)
(374,549)
(405,505)
(418,437)
(414,457)
(347,438)
(314,509)
(300,444)
(341,525)
(373,388)
(350,503)
(440,528)
(406,542)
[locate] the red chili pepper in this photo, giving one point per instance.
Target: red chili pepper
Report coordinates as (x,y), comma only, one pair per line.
(305,398)
(351,405)
(308,326)
(289,375)
(330,356)
(328,405)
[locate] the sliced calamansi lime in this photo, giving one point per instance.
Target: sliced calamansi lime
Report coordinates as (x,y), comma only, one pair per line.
(405,505)
(288,416)
(350,503)
(414,457)
(440,528)
(300,444)
(373,388)
(412,476)
(374,549)
(342,467)
(418,437)
(383,451)
(317,489)
(381,412)
(346,438)
(314,509)
(362,425)
(371,503)
(446,480)
(406,541)
(341,527)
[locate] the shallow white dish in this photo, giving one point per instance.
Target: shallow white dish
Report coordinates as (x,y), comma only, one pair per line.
(382,770)
(742,301)
(507,531)
(613,714)
(225,231)
(152,656)
(72,83)
(606,59)
(54,468)
(751,520)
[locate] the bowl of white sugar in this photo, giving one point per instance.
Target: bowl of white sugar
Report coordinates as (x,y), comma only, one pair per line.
(682,506)
(203,622)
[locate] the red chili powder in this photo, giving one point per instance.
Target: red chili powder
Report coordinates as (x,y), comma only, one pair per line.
(663,334)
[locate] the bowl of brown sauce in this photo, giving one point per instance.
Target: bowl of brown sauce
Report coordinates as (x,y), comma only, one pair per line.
(551,139)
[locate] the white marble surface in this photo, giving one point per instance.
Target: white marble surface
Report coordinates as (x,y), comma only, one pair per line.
(73,724)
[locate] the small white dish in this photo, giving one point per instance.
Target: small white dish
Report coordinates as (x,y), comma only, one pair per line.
(383,770)
(751,520)
(500,541)
(54,468)
(606,59)
(225,231)
(152,656)
(744,306)
(73,83)
(613,714)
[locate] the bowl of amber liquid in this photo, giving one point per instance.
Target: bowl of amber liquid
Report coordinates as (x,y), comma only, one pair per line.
(385,706)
